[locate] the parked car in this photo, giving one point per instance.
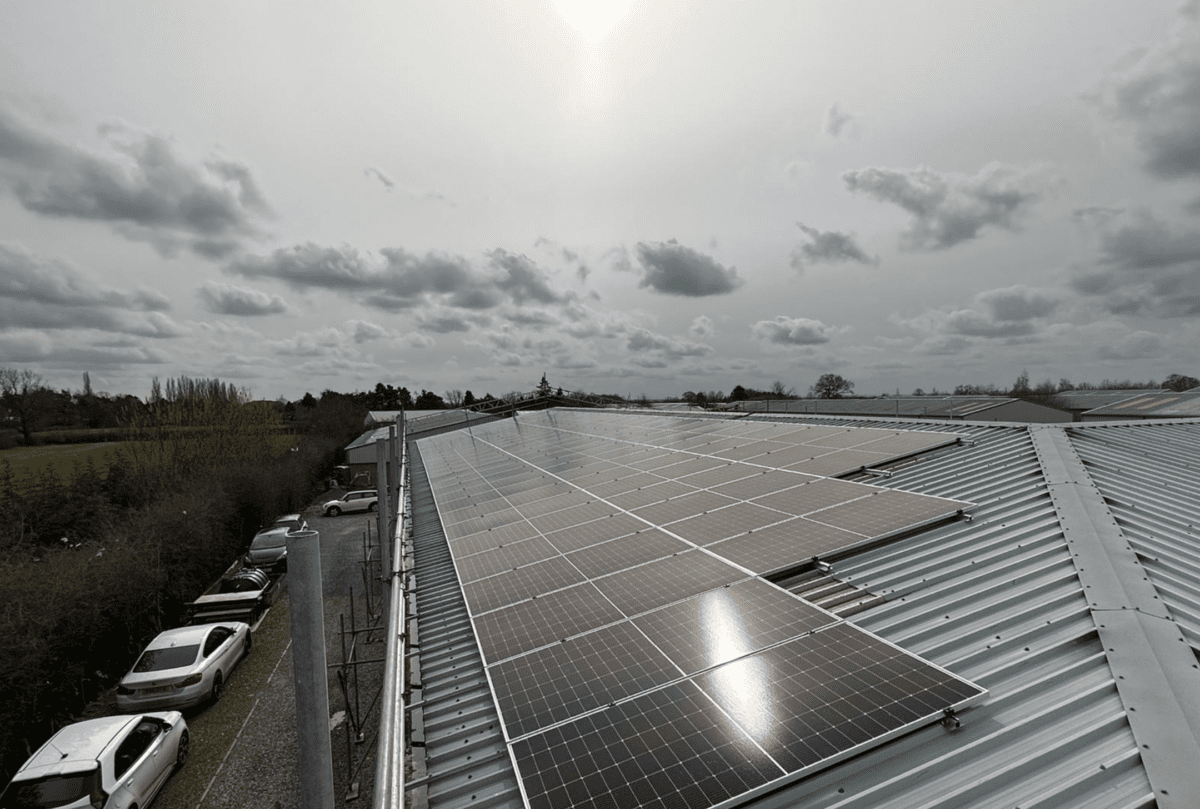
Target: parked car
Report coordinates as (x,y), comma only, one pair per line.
(116,761)
(184,667)
(364,500)
(269,546)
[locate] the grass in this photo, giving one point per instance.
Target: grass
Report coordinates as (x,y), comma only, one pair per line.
(32,461)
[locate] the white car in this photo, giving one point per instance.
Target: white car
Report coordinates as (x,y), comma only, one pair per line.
(365,500)
(269,546)
(184,667)
(109,763)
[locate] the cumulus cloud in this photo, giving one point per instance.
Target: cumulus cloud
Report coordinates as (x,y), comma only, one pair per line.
(1145,267)
(828,247)
(673,269)
(1159,96)
(398,280)
(1011,312)
(365,331)
(1017,303)
(792,331)
(140,183)
(702,326)
(836,121)
(44,293)
(665,349)
(949,208)
(227,299)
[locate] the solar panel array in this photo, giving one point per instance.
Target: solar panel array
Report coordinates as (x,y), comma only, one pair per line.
(611,566)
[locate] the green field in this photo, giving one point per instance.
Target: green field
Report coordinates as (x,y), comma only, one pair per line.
(32,461)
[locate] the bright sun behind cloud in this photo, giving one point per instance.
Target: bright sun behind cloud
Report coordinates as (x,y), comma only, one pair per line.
(593,19)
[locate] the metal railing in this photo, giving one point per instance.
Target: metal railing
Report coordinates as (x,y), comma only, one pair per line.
(391,761)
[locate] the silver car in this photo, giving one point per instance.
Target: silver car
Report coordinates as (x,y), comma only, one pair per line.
(184,667)
(116,761)
(365,500)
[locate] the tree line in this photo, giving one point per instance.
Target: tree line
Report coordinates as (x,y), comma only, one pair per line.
(94,563)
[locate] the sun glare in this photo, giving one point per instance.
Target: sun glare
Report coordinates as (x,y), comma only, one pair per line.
(593,19)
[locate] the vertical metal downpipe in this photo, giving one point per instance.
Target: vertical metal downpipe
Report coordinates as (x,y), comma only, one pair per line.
(384,510)
(307,607)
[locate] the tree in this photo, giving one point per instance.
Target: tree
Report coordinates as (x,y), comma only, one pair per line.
(830,386)
(738,394)
(22,391)
(543,388)
(454,398)
(468,399)
(428,400)
(1180,383)
(1021,386)
(779,391)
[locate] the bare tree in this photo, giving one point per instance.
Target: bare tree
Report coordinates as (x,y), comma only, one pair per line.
(21,389)
(830,386)
(454,398)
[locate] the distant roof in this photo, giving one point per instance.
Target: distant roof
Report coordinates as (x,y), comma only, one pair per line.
(1155,404)
(1081,400)
(912,406)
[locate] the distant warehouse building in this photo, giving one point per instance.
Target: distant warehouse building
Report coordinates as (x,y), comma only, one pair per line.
(974,408)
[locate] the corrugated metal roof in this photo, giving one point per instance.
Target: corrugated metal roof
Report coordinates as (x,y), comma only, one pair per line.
(1157,404)
(997,600)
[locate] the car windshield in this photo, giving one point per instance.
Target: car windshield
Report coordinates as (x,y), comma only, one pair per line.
(54,790)
(276,539)
(163,659)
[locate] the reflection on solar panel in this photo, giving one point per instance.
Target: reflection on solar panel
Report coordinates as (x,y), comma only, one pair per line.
(609,568)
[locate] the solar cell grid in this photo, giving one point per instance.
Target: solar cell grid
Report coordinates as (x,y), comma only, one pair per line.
(762,481)
(783,545)
(750,449)
(705,529)
(886,511)
(522,627)
(565,518)
(850,438)
(830,692)
(904,443)
(624,552)
(656,493)
(718,475)
(565,680)
(548,487)
(565,498)
(679,508)
(506,557)
(654,584)
(723,624)
(839,462)
(670,747)
(788,455)
(658,461)
(511,586)
(591,533)
(630,481)
(492,538)
(813,496)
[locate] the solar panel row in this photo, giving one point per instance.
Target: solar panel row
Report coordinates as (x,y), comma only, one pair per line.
(596,625)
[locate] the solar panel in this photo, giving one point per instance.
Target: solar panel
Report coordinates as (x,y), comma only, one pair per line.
(729,622)
(626,663)
(663,581)
(670,747)
(581,674)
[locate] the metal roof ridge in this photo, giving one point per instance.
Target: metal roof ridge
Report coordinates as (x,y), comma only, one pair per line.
(1154,669)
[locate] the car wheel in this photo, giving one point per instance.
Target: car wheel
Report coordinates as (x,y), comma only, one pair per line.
(248,645)
(371,507)
(333,511)
(181,755)
(215,694)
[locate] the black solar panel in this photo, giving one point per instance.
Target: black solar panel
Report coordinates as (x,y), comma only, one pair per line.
(525,626)
(516,585)
(580,536)
(497,560)
(705,529)
(618,554)
(671,747)
(568,679)
(661,582)
(784,545)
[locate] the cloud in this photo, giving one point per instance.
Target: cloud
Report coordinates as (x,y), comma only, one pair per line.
(1159,95)
(398,280)
(1138,345)
(44,293)
(1010,312)
(702,326)
(673,269)
(1017,303)
(666,349)
(140,184)
(969,323)
(227,299)
(792,331)
(949,208)
(1145,266)
(444,324)
(371,171)
(835,121)
(829,247)
(365,331)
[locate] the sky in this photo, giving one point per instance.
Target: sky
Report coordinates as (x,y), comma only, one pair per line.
(641,198)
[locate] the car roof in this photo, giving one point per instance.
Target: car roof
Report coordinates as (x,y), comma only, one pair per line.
(185,635)
(288,518)
(75,744)
(362,491)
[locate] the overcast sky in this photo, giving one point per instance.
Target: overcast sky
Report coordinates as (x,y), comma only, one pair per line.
(641,198)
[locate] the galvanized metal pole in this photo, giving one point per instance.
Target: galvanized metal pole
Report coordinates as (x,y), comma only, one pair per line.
(307,607)
(384,509)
